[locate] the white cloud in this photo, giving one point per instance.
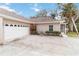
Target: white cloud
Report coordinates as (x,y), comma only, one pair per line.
(7,8)
(7,4)
(36,9)
(10,9)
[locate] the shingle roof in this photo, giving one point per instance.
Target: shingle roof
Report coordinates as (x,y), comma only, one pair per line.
(42,19)
(45,19)
(12,14)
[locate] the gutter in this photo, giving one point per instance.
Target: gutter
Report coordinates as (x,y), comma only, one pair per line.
(15,19)
(58,22)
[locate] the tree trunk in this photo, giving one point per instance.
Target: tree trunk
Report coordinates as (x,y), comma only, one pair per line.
(74,25)
(70,25)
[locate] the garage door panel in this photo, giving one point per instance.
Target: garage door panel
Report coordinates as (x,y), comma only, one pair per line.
(11,33)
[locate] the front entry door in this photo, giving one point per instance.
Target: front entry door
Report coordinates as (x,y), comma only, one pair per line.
(62,28)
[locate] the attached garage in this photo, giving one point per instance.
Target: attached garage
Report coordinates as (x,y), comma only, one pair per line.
(14,30)
(13,27)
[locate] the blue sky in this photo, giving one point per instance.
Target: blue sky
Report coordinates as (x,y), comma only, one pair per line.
(29,9)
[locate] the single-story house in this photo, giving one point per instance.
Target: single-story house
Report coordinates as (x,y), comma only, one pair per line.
(47,23)
(14,26)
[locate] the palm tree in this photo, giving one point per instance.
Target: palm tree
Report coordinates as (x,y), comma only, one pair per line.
(69,10)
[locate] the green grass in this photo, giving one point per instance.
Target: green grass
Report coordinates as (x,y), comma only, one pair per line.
(72,34)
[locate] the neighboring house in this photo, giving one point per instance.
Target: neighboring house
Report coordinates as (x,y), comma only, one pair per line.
(12,26)
(47,23)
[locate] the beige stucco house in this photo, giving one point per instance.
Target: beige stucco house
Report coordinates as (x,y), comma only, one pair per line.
(44,24)
(14,26)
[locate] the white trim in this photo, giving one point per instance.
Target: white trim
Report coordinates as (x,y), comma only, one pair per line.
(12,18)
(1,31)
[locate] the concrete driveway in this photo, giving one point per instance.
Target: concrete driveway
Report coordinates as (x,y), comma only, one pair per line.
(35,45)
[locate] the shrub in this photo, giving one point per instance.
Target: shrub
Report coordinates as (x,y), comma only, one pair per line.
(53,33)
(34,33)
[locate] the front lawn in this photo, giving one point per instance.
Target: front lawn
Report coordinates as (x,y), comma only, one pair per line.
(72,34)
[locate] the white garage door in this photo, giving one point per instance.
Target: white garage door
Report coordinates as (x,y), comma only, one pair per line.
(12,32)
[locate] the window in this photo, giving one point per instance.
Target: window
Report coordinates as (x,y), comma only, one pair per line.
(50,27)
(62,27)
(6,25)
(11,25)
(15,25)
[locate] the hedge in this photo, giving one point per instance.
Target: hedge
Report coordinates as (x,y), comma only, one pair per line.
(53,33)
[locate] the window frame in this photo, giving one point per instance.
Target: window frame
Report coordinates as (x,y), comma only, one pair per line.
(50,27)
(11,25)
(6,24)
